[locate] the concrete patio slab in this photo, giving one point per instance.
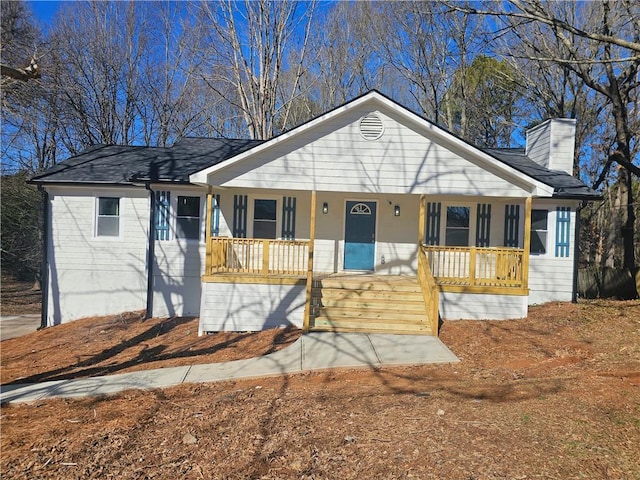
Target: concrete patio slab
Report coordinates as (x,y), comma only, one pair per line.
(410,349)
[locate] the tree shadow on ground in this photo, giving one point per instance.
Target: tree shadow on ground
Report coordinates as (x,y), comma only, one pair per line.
(95,364)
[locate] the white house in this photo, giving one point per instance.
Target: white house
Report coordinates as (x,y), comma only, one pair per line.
(368,217)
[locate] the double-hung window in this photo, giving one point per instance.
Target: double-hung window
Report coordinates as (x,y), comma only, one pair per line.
(457,227)
(539,231)
(108,218)
(188,217)
(264,218)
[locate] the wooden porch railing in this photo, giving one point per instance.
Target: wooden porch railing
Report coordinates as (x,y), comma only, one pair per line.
(429,291)
(257,256)
(477,266)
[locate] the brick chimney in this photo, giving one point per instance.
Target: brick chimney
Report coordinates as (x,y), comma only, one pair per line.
(552,143)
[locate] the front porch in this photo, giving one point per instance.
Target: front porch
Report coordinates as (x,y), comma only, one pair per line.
(279,275)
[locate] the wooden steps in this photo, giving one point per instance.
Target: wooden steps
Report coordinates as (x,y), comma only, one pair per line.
(368,303)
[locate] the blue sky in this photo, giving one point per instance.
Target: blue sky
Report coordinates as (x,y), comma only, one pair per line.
(44,10)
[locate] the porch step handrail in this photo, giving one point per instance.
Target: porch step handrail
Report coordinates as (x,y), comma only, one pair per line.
(429,289)
(477,266)
(257,256)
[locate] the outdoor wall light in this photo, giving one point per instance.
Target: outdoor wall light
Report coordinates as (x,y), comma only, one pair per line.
(325,208)
(396,210)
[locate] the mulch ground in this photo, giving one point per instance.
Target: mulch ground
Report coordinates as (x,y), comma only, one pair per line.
(554,396)
(125,343)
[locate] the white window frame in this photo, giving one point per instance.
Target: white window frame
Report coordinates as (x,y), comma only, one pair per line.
(97,216)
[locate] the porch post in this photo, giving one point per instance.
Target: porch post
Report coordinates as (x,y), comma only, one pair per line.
(207,234)
(421,220)
(527,243)
(312,235)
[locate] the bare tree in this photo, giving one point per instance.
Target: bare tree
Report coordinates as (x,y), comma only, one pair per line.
(97,58)
(18,60)
(251,45)
(346,61)
(173,100)
(28,128)
(599,43)
(428,45)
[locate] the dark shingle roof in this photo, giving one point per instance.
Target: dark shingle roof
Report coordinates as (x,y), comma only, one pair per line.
(565,185)
(190,155)
(114,164)
(126,165)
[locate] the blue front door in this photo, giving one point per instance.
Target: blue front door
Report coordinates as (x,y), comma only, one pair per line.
(360,236)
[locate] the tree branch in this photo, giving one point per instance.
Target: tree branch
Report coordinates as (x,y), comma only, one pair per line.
(538,15)
(24,74)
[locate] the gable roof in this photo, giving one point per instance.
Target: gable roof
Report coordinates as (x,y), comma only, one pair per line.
(375,99)
(128,165)
(191,159)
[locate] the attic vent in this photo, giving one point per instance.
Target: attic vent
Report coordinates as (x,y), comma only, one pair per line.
(371,127)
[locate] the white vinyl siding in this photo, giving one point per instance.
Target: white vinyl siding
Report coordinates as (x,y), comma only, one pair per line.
(474,306)
(250,307)
(96,277)
(336,158)
(551,277)
(177,278)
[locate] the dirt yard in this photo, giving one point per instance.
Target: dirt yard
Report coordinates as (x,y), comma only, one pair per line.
(555,396)
(18,298)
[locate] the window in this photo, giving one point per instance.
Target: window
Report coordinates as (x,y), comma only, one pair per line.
(457,233)
(188,218)
(108,222)
(264,218)
(539,231)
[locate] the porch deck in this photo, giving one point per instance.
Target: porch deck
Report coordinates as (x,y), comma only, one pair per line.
(473,269)
(366,301)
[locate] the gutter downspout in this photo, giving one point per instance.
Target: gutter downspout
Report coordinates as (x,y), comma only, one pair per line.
(576,253)
(150,251)
(44,267)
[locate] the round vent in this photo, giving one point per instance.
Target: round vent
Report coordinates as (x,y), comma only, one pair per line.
(371,127)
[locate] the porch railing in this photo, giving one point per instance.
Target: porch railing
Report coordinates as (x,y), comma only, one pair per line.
(429,291)
(257,256)
(477,266)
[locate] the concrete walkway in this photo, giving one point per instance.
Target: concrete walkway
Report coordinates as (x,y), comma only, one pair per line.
(313,351)
(12,326)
